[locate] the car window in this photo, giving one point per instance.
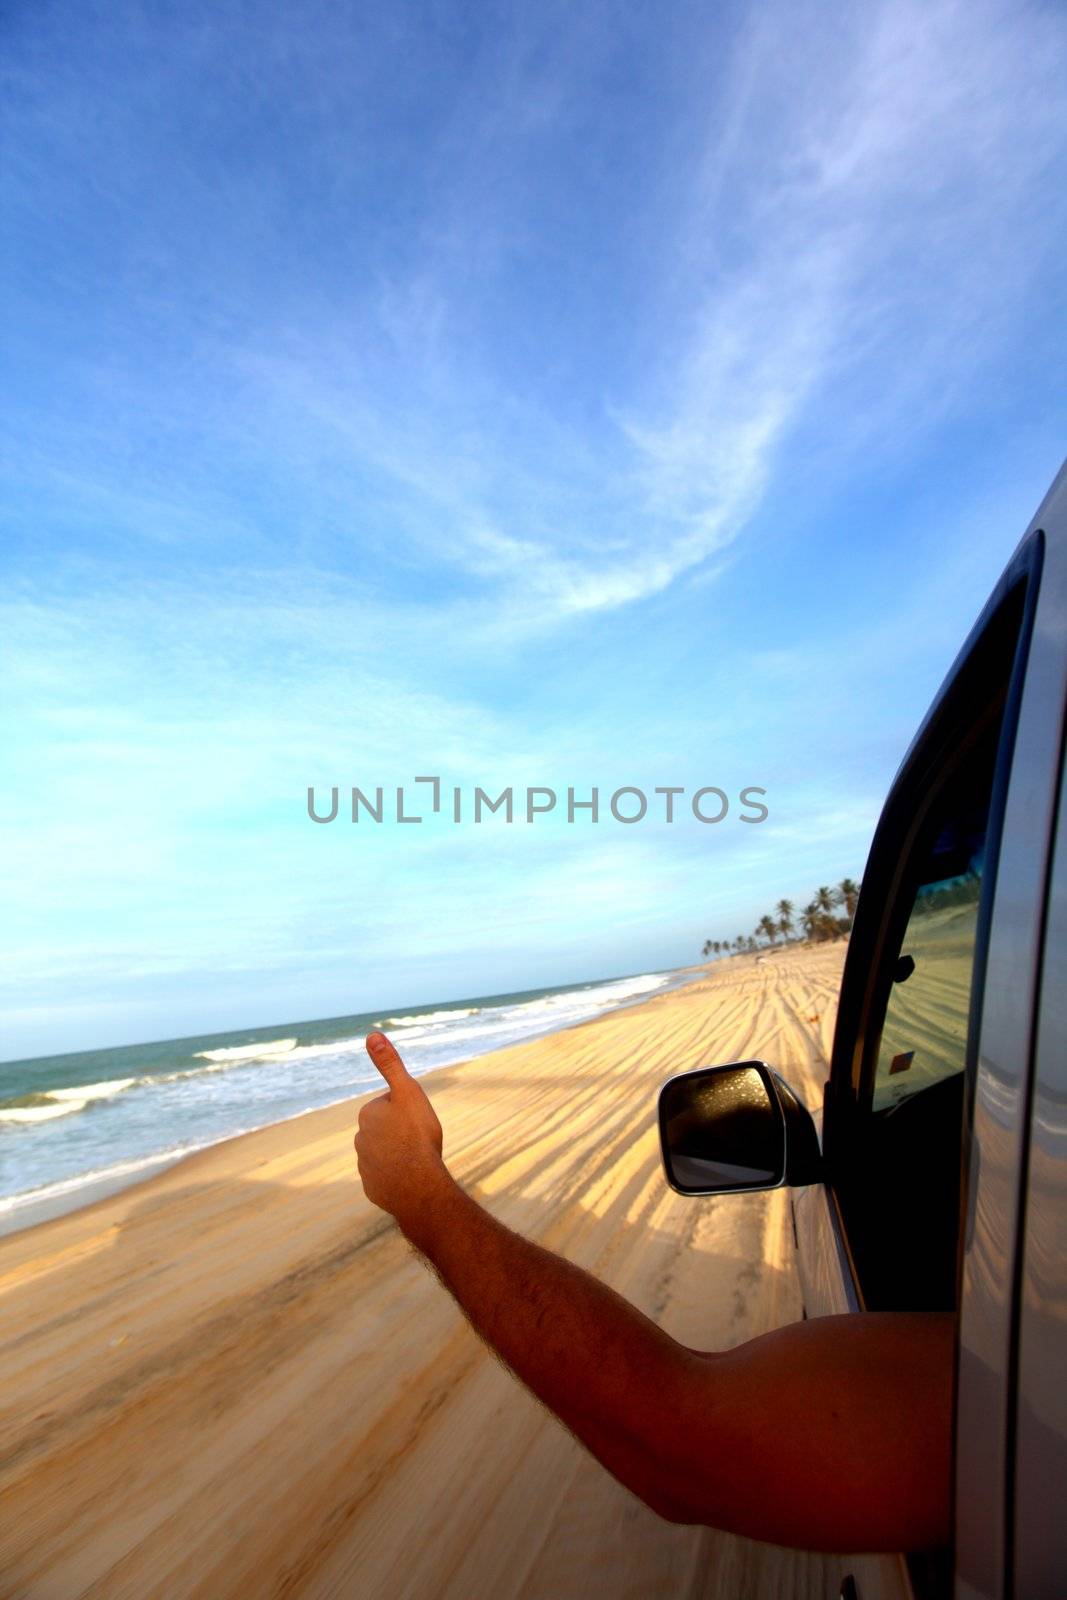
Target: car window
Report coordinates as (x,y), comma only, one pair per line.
(924,1035)
(901,1174)
(897,1101)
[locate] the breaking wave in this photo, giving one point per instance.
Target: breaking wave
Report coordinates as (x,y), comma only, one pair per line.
(269,1050)
(431,1016)
(51,1103)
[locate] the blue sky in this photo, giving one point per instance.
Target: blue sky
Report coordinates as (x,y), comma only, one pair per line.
(530,394)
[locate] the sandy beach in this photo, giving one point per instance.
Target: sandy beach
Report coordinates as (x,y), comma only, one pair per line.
(237,1380)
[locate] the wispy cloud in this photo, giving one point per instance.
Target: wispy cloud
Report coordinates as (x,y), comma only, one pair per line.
(388,398)
(852,223)
(846,225)
(838,267)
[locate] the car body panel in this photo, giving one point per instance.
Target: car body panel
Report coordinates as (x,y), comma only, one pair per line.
(1039,1559)
(1009,1472)
(1001,1088)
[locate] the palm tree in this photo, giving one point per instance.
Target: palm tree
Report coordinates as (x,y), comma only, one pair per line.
(848,893)
(816,920)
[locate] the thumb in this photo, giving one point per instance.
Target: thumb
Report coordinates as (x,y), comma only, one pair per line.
(386,1058)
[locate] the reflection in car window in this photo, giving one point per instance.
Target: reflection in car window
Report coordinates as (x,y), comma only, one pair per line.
(924,1037)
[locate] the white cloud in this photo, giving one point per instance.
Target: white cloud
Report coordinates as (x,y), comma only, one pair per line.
(385,482)
(870,167)
(840,264)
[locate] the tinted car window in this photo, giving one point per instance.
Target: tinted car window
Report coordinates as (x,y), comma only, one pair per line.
(910,1151)
(924,1035)
(897,1099)
(902,1172)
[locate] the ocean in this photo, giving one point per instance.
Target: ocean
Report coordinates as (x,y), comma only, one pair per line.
(76,1127)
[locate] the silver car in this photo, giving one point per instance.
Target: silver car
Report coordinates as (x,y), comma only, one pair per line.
(938,1180)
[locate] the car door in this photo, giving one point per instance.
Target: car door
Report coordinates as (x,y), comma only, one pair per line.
(1037,1541)
(1010,1214)
(886,1229)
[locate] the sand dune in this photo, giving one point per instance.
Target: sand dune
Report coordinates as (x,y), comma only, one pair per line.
(236,1380)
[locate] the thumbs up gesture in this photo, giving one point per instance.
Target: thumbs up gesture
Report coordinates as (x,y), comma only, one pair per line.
(398,1138)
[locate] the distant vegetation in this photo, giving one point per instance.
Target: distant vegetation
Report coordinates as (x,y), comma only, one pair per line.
(818,921)
(961,891)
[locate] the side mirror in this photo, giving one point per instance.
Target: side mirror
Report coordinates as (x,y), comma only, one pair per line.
(735,1129)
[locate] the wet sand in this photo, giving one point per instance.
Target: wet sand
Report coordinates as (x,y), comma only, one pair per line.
(237,1380)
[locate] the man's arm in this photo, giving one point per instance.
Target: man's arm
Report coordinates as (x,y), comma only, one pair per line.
(831,1434)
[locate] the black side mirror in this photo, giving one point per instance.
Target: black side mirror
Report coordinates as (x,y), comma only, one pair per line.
(734,1129)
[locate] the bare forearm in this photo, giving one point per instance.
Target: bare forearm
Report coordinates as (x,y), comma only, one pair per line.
(833,1434)
(713,1437)
(606,1370)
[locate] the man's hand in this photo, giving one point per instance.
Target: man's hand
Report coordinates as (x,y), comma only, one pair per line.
(398,1142)
(833,1434)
